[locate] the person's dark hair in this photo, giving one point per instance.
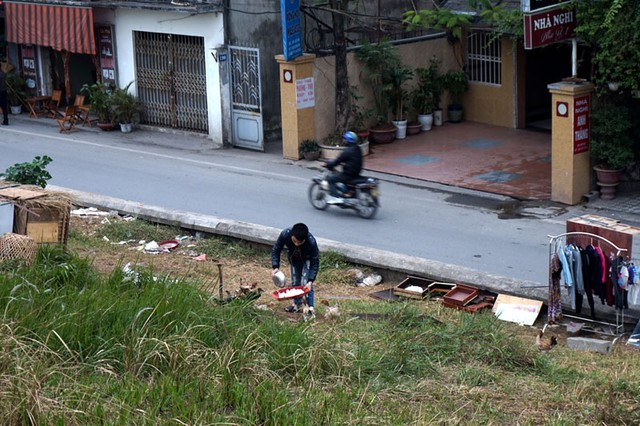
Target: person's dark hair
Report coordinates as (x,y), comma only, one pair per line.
(300,231)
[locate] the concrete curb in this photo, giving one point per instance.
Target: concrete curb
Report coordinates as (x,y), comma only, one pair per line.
(377,259)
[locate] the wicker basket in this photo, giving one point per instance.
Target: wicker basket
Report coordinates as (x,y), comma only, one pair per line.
(16,246)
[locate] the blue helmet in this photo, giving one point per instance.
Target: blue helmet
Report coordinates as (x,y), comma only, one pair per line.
(350,137)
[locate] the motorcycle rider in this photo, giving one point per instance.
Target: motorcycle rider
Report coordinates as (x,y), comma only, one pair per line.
(351,160)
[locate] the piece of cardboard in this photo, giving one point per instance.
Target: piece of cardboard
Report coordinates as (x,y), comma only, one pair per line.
(517,309)
(20,193)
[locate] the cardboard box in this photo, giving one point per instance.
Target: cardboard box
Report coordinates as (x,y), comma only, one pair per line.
(43,225)
(402,288)
(461,295)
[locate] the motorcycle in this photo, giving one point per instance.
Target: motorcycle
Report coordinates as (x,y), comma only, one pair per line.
(361,194)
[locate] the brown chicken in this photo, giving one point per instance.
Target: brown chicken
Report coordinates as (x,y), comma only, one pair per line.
(545,345)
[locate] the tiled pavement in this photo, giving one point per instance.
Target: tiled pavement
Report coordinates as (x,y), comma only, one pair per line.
(487,158)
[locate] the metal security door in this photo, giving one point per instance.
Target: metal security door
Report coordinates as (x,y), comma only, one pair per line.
(246,101)
(170,77)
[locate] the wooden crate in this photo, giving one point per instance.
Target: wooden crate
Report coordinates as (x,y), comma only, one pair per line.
(43,225)
(461,295)
(401,289)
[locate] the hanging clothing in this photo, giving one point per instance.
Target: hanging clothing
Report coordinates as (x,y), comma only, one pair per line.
(554,309)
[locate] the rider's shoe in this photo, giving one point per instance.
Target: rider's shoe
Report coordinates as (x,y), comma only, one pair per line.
(333,200)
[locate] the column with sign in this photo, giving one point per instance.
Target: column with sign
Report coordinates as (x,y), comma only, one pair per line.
(570,162)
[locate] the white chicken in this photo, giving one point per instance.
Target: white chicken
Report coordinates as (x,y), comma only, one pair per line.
(330,312)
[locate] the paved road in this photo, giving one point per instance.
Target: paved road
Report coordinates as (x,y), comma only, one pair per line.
(417,219)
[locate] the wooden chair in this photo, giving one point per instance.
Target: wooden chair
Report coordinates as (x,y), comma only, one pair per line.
(53,107)
(82,111)
(68,120)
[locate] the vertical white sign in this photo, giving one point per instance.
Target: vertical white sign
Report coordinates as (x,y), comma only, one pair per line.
(305,93)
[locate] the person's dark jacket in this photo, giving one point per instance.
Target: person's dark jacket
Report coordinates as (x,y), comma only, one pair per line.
(351,160)
(297,254)
(3,81)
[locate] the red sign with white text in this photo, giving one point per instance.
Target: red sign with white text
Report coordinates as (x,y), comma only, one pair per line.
(552,26)
(581,124)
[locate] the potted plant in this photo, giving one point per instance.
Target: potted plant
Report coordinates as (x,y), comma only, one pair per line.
(333,145)
(426,96)
(358,116)
(310,149)
(398,77)
(456,83)
(612,146)
(126,108)
(16,92)
(379,60)
(100,97)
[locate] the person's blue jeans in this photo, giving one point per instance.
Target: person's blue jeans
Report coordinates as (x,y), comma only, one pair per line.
(299,274)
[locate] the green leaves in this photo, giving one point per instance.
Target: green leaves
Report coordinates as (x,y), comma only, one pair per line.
(32,173)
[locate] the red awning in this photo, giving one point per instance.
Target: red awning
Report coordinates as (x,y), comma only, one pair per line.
(60,27)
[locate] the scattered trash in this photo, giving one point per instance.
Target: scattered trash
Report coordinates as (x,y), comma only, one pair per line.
(169,245)
(573,327)
(360,280)
(89,211)
(203,256)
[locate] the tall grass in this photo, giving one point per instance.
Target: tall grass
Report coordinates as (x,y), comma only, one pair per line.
(82,348)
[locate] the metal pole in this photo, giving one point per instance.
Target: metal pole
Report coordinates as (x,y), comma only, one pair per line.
(574,58)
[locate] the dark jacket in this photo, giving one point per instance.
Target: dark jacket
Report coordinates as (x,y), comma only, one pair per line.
(307,251)
(3,81)
(351,160)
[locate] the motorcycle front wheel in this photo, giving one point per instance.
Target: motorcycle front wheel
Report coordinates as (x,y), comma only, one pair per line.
(368,206)
(317,196)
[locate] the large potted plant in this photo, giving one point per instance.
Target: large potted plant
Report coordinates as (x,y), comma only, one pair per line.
(612,146)
(126,108)
(358,116)
(16,91)
(100,97)
(398,77)
(379,60)
(456,84)
(426,95)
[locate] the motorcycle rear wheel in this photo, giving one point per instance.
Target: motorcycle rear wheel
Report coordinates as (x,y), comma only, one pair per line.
(318,196)
(368,206)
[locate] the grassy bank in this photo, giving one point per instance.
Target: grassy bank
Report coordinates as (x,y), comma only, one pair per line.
(80,346)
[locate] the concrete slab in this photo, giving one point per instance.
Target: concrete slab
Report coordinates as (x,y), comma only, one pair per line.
(587,344)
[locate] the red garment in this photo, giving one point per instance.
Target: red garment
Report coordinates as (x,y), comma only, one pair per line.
(605,270)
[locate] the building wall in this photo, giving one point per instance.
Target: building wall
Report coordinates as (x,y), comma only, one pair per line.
(496,105)
(414,55)
(209,26)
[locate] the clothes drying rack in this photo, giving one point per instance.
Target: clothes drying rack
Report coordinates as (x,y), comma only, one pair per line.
(553,240)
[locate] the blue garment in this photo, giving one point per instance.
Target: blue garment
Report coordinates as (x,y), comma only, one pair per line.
(566,269)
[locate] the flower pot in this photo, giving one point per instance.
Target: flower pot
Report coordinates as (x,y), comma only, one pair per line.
(401,129)
(607,180)
(426,120)
(106,126)
(126,127)
(329,152)
(383,135)
(413,127)
(437,117)
(311,155)
(363,135)
(16,109)
(454,112)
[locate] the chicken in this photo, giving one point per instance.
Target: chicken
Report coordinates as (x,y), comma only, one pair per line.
(544,345)
(330,312)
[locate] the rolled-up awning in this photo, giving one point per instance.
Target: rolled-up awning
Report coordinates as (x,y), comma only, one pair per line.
(59,27)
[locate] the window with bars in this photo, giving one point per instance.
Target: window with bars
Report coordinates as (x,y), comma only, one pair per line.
(484,55)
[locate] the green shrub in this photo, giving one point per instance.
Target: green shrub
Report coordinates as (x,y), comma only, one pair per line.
(32,173)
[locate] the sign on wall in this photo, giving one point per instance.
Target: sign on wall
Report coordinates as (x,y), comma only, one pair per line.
(581,124)
(29,70)
(548,27)
(291,29)
(107,58)
(305,93)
